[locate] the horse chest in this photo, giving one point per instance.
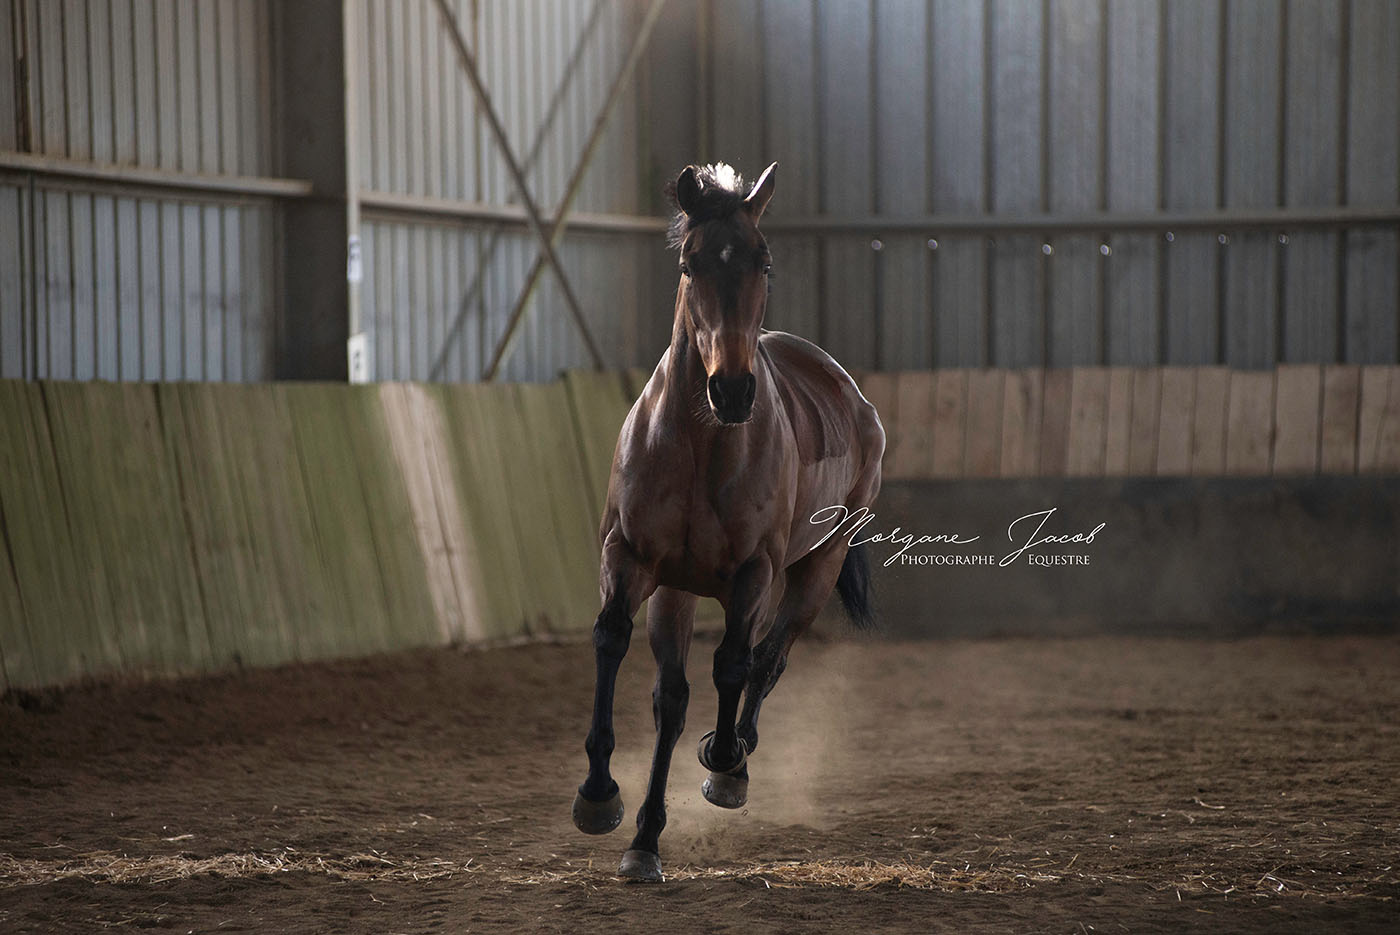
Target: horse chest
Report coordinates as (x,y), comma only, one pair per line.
(695,533)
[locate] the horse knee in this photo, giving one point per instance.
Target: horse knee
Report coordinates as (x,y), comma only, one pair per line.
(612,632)
(732,665)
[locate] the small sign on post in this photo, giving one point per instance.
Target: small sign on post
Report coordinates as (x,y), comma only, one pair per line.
(358,350)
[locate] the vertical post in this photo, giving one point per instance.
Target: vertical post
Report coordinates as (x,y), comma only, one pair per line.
(312,123)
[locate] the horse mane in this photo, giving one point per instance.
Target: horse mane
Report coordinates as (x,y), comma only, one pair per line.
(722,192)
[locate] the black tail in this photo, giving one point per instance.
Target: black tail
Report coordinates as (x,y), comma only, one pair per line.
(853,584)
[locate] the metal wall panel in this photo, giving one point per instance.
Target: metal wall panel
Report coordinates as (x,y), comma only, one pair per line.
(118,281)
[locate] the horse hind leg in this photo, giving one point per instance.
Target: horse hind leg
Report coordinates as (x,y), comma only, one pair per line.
(810,583)
(670,620)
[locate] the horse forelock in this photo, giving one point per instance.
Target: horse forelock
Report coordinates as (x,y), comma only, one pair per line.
(722,194)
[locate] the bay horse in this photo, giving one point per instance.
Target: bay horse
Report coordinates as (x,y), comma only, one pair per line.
(740,436)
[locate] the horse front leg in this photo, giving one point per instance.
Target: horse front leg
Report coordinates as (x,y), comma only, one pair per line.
(721,751)
(670,620)
(598,805)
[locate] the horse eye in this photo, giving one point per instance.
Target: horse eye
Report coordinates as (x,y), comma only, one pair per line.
(767,268)
(685,268)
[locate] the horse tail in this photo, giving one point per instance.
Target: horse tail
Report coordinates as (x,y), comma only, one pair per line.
(853,584)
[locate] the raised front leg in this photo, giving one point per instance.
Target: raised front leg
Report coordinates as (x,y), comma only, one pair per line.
(721,752)
(598,805)
(670,619)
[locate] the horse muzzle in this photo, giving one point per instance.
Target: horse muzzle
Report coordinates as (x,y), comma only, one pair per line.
(731,398)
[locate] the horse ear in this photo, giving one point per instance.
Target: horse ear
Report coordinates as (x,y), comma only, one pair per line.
(688,191)
(761,193)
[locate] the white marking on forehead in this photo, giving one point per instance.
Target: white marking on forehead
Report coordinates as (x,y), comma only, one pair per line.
(726,253)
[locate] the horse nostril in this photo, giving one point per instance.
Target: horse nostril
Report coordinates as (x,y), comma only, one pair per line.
(750,385)
(716,392)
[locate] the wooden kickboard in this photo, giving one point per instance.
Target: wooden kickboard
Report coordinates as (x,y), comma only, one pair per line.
(1297,408)
(562,492)
(122,502)
(411,619)
(218,540)
(909,440)
(69,634)
(1341,398)
(1022,408)
(1249,423)
(600,406)
(343,531)
(481,488)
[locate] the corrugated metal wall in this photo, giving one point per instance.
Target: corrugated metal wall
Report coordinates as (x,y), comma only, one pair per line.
(1016,108)
(116,280)
(437,292)
(983,112)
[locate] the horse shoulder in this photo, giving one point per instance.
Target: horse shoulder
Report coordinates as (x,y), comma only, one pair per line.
(828,413)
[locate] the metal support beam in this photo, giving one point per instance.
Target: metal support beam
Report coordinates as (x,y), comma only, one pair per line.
(313,322)
(561,214)
(493,121)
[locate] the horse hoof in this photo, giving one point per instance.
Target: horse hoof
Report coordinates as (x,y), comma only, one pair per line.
(597,817)
(703,751)
(640,867)
(725,790)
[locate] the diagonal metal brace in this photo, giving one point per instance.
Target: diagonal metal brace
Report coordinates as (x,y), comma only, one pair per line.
(561,214)
(532,213)
(488,253)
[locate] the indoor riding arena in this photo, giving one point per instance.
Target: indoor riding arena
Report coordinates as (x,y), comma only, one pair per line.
(320,322)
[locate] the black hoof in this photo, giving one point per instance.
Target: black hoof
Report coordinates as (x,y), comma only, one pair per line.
(597,817)
(703,751)
(640,867)
(725,790)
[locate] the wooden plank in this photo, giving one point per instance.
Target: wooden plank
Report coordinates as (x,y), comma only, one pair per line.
(343,527)
(1075,181)
(1249,424)
(1088,422)
(570,524)
(1174,423)
(1143,432)
(1132,297)
(1118,433)
(411,618)
(901,186)
(599,409)
(881,390)
(22,666)
(1022,402)
(949,423)
(1017,263)
(984,423)
(1191,178)
(241,617)
(847,262)
(1208,420)
(66,610)
(1297,412)
(909,441)
(1054,423)
(127,524)
(1341,400)
(473,414)
(1378,429)
(288,547)
(1372,177)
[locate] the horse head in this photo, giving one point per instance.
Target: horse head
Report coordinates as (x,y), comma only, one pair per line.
(724,267)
